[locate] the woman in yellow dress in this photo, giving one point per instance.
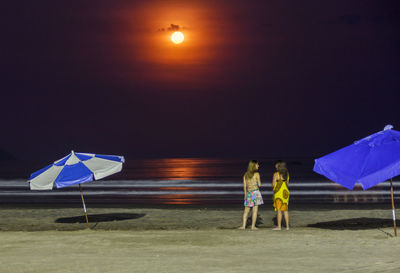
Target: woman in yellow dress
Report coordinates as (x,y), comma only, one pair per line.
(252,194)
(280,183)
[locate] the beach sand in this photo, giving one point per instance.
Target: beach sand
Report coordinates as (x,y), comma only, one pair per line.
(179,239)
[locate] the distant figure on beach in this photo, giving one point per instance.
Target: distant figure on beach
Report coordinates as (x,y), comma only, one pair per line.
(280,183)
(252,194)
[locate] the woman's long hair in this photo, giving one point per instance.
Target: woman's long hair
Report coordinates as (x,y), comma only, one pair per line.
(282,169)
(251,169)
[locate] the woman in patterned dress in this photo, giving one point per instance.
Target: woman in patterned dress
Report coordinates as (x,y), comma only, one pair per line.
(280,183)
(252,194)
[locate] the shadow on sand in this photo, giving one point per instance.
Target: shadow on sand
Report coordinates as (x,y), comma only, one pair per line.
(107,217)
(355,224)
(259,221)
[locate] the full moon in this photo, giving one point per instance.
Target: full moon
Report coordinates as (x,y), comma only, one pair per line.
(177,37)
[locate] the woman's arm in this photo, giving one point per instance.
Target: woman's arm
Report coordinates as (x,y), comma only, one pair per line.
(258,179)
(274,179)
(244,187)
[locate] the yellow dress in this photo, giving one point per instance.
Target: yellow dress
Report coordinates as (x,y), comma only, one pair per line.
(281,194)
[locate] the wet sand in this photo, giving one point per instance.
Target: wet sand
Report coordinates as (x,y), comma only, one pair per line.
(195,240)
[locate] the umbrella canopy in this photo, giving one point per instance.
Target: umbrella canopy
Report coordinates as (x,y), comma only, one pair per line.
(75,168)
(368,161)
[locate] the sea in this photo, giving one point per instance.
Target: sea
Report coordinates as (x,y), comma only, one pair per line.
(185,182)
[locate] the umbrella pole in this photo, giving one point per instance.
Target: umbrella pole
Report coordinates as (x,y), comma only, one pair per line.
(84,206)
(393,211)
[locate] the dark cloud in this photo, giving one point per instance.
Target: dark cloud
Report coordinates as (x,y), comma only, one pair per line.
(172,27)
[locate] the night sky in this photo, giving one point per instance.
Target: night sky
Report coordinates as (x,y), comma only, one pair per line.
(252,78)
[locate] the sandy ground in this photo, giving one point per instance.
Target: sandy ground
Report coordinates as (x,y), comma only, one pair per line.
(195,240)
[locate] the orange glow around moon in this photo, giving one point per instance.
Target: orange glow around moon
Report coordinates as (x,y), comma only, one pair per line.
(154,45)
(177,37)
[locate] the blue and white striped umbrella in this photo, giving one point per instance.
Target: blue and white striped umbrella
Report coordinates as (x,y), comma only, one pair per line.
(75,168)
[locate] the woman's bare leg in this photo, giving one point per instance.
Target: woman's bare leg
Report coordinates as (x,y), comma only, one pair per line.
(286,214)
(245,215)
(279,220)
(254,217)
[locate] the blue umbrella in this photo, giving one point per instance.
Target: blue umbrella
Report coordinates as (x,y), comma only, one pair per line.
(368,161)
(76,168)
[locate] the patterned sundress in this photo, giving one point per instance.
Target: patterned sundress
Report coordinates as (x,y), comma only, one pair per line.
(281,194)
(254,197)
